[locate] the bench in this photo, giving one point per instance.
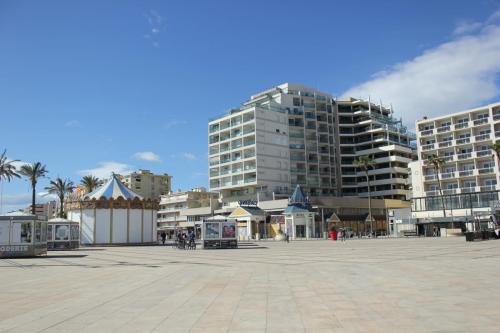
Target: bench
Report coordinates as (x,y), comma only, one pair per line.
(408,233)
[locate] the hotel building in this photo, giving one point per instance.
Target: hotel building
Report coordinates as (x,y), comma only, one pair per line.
(292,134)
(369,129)
(469,175)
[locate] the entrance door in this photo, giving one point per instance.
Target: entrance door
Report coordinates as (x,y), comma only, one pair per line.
(300,231)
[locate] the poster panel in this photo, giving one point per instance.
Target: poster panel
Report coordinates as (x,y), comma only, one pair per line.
(228,230)
(62,232)
(212,230)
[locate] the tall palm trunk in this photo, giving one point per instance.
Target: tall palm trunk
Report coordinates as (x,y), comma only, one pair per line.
(369,204)
(61,209)
(33,198)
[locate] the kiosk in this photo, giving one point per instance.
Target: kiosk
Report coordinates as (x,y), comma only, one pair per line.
(62,234)
(219,232)
(22,235)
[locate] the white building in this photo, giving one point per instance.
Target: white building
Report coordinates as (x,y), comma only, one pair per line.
(469,175)
(289,135)
(185,209)
(366,128)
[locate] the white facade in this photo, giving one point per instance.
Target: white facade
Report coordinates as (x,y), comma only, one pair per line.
(366,128)
(278,139)
(183,209)
(463,140)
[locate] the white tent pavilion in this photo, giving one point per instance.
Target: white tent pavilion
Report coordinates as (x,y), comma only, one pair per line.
(114,214)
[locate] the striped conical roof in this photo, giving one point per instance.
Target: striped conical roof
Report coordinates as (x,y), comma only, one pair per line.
(112,189)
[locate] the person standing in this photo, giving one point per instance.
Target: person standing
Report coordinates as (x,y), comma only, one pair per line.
(163,237)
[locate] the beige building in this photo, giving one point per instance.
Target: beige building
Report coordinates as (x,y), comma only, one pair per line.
(48,209)
(185,209)
(147,184)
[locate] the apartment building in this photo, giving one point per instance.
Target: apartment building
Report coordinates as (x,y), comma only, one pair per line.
(289,135)
(183,209)
(469,175)
(366,128)
(147,184)
(48,209)
(281,137)
(463,140)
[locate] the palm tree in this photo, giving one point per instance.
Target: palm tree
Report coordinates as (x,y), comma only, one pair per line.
(90,183)
(60,188)
(33,172)
(7,169)
(365,163)
(437,162)
(496,152)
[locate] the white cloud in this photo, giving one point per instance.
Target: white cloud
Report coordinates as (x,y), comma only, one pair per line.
(147,156)
(156,24)
(174,123)
(460,74)
(189,156)
(105,169)
(73,123)
(465,27)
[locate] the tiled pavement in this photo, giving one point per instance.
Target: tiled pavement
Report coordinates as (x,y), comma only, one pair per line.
(384,285)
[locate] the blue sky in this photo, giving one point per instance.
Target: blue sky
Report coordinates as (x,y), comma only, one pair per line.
(96,86)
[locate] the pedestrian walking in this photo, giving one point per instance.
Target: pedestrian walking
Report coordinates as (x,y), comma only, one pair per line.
(287,238)
(163,237)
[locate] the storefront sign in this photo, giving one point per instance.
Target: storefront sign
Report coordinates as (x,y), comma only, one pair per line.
(247,203)
(13,248)
(277,218)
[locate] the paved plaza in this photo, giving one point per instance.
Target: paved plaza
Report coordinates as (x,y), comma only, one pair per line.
(382,285)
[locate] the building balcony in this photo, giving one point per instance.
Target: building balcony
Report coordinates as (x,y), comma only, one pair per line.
(481,121)
(297,170)
(484,171)
(482,137)
(461,125)
(496,116)
(428,147)
(482,153)
(427,132)
(430,177)
(466,173)
(445,144)
(463,156)
(462,141)
(297,146)
(486,188)
(448,175)
(297,158)
(443,129)
(298,182)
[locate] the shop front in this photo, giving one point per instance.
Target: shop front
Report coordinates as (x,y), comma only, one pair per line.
(62,234)
(23,236)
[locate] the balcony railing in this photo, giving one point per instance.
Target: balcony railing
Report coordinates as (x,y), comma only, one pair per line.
(462,141)
(469,189)
(465,173)
(462,125)
(430,177)
(485,188)
(298,170)
(427,132)
(443,129)
(482,137)
(448,158)
(250,180)
(428,147)
(297,158)
(496,116)
(249,143)
(448,175)
(445,144)
(464,156)
(485,171)
(481,153)
(449,191)
(481,121)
